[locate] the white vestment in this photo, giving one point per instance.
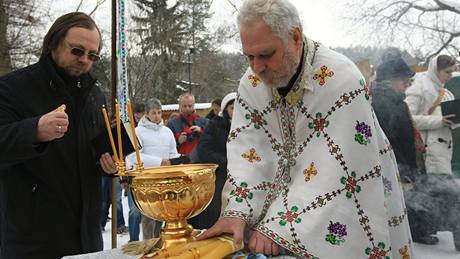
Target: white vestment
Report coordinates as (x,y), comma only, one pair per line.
(313,171)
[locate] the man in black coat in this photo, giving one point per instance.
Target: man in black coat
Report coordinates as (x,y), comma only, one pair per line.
(50,175)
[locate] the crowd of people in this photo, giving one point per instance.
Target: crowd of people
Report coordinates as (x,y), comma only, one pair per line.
(313,161)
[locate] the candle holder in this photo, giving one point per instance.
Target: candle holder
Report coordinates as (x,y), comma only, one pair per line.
(171,194)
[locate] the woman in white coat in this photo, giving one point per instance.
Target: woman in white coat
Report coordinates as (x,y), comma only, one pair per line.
(158,149)
(436,193)
(423,99)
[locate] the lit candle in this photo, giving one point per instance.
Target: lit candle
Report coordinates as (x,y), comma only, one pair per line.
(107,124)
(133,131)
(120,144)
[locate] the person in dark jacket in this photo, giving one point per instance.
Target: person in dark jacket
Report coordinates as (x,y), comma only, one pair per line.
(50,174)
(432,201)
(188,127)
(215,109)
(393,78)
(213,149)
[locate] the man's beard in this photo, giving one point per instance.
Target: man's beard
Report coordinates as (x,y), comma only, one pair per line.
(275,79)
(76,71)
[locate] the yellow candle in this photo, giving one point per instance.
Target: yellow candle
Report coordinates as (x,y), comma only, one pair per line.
(133,131)
(107,124)
(120,144)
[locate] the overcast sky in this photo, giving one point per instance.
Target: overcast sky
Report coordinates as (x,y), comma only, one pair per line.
(321,19)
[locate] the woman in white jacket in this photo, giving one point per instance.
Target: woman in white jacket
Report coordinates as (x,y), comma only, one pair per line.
(158,148)
(422,99)
(157,141)
(436,194)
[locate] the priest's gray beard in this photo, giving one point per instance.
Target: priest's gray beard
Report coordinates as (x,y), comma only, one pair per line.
(276,79)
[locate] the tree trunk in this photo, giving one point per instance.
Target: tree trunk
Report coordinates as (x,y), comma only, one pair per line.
(5,59)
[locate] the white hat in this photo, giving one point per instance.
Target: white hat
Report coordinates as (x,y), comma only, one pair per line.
(229,97)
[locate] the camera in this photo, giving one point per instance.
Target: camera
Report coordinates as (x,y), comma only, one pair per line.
(192,136)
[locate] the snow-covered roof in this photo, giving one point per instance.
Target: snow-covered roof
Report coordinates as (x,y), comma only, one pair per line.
(175,107)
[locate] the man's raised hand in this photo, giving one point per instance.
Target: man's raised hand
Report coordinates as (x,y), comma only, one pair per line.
(52,125)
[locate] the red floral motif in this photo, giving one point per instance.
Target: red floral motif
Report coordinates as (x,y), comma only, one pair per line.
(319,124)
(322,75)
(256,118)
(377,253)
(289,216)
(242,192)
(351,184)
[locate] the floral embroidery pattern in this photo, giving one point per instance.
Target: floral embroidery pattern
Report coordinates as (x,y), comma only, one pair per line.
(251,156)
(256,118)
(404,252)
(322,75)
(310,172)
(289,216)
(351,184)
(254,80)
(377,252)
(241,192)
(366,88)
(363,133)
(337,232)
(387,187)
(318,124)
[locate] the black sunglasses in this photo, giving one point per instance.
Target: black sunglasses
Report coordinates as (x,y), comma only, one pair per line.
(81,52)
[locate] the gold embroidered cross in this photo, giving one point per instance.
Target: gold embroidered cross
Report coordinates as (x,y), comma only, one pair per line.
(254,80)
(251,156)
(310,172)
(322,75)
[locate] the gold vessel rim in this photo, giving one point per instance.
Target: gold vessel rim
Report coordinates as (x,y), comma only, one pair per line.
(171,171)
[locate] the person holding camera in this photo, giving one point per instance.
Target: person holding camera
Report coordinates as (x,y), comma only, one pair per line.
(188,127)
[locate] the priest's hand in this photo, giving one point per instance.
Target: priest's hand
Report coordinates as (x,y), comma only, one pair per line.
(52,125)
(259,243)
(108,164)
(232,226)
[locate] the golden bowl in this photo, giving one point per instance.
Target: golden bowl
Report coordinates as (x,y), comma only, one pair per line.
(173,194)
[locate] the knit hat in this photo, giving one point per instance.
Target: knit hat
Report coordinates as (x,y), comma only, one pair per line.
(229,97)
(393,69)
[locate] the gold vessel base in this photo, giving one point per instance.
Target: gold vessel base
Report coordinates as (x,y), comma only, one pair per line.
(176,233)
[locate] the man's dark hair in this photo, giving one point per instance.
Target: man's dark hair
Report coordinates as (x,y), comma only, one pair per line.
(59,29)
(216,101)
(445,61)
(138,107)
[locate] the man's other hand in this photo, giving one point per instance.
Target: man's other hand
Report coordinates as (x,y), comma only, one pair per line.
(108,163)
(195,128)
(182,138)
(232,226)
(259,243)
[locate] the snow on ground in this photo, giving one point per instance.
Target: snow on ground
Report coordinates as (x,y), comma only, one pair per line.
(443,250)
(107,234)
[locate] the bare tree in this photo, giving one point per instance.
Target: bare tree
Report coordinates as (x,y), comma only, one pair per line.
(18,33)
(424,27)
